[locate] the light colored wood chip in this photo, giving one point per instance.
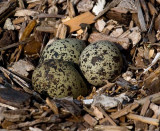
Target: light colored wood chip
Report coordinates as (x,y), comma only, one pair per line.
(52,105)
(90,120)
(74,23)
(145,107)
(148,120)
(124,111)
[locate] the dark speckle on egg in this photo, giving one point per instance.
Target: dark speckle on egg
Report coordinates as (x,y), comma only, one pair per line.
(58,78)
(68,49)
(100,61)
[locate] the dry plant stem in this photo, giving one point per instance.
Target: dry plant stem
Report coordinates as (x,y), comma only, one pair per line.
(14,45)
(146,11)
(140,16)
(124,111)
(107,117)
(52,105)
(145,107)
(144,119)
(27,124)
(25,34)
(108,7)
(43,15)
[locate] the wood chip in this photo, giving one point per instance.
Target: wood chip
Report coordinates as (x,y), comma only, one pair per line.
(147,120)
(141,16)
(74,23)
(110,128)
(90,120)
(52,105)
(124,111)
(124,42)
(109,6)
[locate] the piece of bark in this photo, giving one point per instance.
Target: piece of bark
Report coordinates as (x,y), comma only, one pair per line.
(85,5)
(110,128)
(100,24)
(107,117)
(158,1)
(124,111)
(47,29)
(34,4)
(152,9)
(152,83)
(70,8)
(32,48)
(14,45)
(8,38)
(121,18)
(138,124)
(157,22)
(16,115)
(135,19)
(7,10)
(90,120)
(8,25)
(97,113)
(141,16)
(156,110)
(61,31)
(70,106)
(25,12)
(5,124)
(21,4)
(22,67)
(74,23)
(51,119)
(155,98)
(144,119)
(14,98)
(43,15)
(145,107)
(52,105)
(107,8)
(123,42)
(146,11)
(18,20)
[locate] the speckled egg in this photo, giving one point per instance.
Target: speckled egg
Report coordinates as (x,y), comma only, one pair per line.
(58,79)
(68,49)
(100,61)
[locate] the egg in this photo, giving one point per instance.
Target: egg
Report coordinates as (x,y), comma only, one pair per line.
(100,61)
(68,49)
(57,78)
